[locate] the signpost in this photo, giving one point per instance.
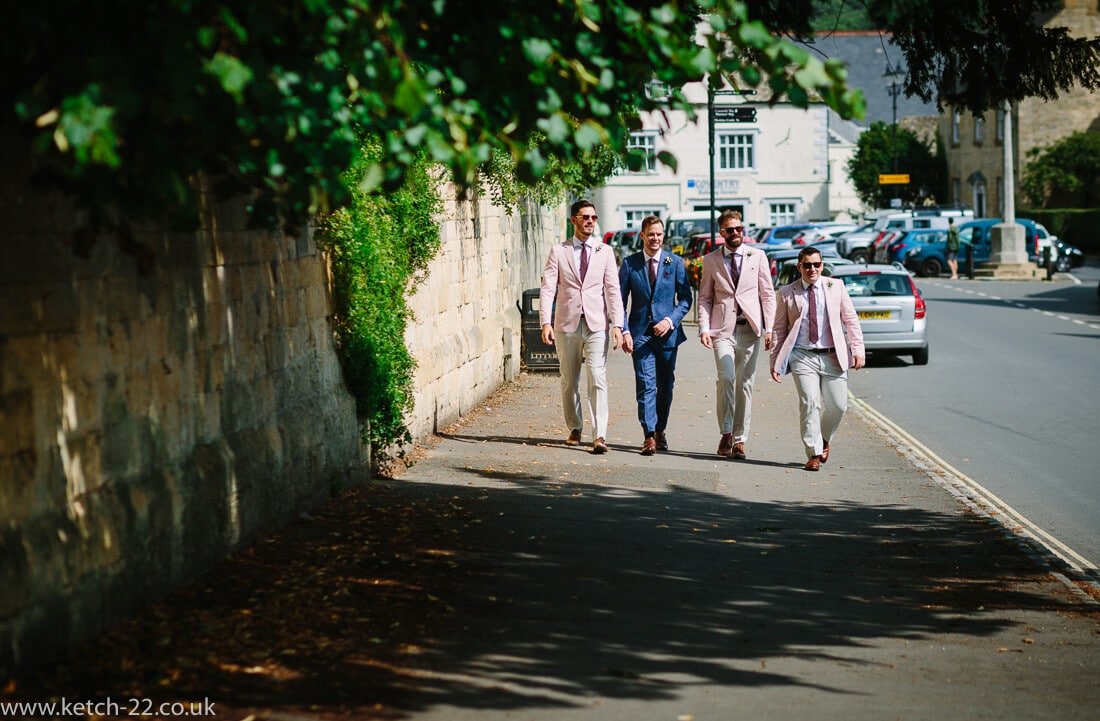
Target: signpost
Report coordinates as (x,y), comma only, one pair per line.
(893,179)
(734,114)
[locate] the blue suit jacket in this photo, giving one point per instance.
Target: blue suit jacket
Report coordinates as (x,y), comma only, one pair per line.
(670,298)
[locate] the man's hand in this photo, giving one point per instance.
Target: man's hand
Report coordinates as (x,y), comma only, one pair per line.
(858,362)
(616,338)
(704,338)
(628,343)
(547,334)
(776,377)
(768,340)
(663,328)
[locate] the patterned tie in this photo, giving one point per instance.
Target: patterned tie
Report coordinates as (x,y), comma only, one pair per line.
(813,314)
(584,260)
(652,272)
(736,269)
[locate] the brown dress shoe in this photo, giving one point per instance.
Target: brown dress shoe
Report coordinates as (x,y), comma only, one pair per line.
(574,438)
(739,451)
(725,446)
(598,446)
(814,464)
(649,447)
(824,453)
(662,442)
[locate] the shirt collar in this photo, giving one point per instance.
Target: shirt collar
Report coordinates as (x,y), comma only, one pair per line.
(577,242)
(649,257)
(726,252)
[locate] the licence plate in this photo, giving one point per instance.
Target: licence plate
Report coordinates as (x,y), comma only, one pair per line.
(875,314)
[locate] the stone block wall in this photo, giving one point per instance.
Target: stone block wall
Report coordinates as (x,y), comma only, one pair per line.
(465,331)
(150,422)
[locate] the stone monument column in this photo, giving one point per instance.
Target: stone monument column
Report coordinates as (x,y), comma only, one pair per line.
(1008,249)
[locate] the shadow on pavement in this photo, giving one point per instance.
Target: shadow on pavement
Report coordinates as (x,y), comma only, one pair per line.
(528,593)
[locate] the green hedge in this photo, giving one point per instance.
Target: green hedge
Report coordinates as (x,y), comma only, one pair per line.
(1077,226)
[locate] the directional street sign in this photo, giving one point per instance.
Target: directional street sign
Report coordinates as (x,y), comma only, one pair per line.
(734,114)
(894,179)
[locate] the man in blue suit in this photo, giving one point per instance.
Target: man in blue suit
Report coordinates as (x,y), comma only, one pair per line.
(654,284)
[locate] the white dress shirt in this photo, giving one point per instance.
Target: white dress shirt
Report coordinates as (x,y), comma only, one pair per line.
(824,334)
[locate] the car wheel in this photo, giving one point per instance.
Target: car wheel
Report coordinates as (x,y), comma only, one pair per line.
(920,358)
(931,268)
(858,256)
(1063,264)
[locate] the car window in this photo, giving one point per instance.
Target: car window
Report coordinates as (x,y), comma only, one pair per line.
(922,223)
(877,285)
(966,235)
(896,224)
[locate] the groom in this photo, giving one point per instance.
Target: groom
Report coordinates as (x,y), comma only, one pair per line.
(655,285)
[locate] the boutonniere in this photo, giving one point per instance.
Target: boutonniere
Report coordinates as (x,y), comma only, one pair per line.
(599,247)
(668,261)
(748,254)
(829,284)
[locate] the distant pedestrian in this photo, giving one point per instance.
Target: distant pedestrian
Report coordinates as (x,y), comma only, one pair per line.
(736,304)
(952,249)
(654,284)
(817,338)
(580,283)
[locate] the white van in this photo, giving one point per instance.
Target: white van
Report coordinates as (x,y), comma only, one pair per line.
(679,227)
(857,247)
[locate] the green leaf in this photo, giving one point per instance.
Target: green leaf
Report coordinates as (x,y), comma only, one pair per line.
(667,158)
(231,73)
(588,135)
(755,34)
(537,50)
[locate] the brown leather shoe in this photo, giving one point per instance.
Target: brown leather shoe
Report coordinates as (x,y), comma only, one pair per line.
(649,447)
(574,438)
(598,446)
(739,451)
(824,453)
(814,464)
(725,446)
(662,442)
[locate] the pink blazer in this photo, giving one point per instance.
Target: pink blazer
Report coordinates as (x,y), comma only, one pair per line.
(598,299)
(843,322)
(719,301)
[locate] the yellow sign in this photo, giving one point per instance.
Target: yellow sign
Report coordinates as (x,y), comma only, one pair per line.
(895,179)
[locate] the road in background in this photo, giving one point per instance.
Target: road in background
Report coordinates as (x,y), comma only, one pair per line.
(1009,396)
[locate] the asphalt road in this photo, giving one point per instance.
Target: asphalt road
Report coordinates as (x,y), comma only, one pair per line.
(1009,396)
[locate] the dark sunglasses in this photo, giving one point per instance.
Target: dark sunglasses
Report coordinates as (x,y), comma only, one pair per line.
(734,230)
(807,266)
(588,217)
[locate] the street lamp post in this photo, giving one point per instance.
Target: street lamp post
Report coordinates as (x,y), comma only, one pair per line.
(894,74)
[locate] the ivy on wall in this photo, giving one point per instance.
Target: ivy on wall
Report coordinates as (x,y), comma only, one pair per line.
(377,244)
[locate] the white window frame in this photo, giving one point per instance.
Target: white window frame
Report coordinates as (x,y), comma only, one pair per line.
(645,140)
(979,129)
(732,155)
(785,216)
(954,127)
(632,216)
(956,191)
(1000,125)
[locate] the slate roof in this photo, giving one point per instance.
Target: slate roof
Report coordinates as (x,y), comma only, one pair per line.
(866,54)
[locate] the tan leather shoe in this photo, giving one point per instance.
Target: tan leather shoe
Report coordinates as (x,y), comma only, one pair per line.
(662,442)
(814,464)
(739,451)
(824,453)
(599,446)
(574,438)
(725,446)
(649,447)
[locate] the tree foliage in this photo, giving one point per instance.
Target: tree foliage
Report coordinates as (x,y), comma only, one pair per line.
(876,151)
(969,54)
(1066,174)
(127,104)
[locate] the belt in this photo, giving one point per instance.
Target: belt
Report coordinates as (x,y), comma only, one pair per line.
(819,351)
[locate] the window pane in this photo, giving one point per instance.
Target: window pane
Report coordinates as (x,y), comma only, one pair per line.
(646,142)
(735,152)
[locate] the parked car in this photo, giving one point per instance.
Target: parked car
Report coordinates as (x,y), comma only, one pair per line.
(784,234)
(821,232)
(624,242)
(892,314)
(895,249)
(784,267)
(857,247)
(1068,256)
(929,259)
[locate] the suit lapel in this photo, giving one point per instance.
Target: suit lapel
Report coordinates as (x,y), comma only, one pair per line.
(567,247)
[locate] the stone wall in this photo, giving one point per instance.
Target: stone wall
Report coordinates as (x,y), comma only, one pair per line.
(465,333)
(152,421)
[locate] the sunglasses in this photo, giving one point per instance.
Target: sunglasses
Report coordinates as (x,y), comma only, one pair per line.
(733,231)
(808,266)
(588,217)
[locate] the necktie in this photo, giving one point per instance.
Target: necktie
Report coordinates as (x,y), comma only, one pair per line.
(813,314)
(584,260)
(652,272)
(736,269)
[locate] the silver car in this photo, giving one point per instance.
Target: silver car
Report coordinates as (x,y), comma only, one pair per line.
(892,313)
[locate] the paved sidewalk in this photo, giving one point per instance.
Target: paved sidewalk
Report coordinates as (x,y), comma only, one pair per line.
(507,576)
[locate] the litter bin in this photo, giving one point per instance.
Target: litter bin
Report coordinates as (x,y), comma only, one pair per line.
(536,354)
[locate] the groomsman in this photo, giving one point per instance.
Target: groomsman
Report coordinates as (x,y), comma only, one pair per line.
(817,339)
(655,285)
(579,282)
(736,302)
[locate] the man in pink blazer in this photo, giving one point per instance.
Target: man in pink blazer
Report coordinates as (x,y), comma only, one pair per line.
(736,303)
(581,284)
(817,338)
